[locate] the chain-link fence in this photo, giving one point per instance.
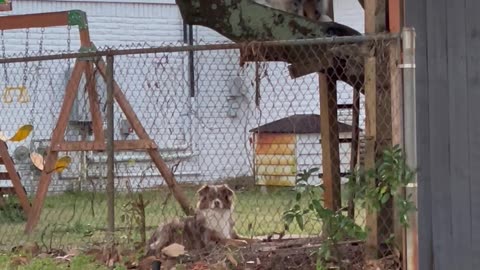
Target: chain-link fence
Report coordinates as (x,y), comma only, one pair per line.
(295,146)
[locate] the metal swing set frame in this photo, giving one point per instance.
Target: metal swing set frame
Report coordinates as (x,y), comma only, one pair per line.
(86,66)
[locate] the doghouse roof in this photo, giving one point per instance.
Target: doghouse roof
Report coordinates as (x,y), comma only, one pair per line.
(298,124)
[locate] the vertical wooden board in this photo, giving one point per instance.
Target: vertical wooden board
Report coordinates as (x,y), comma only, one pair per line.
(94,104)
(394,16)
(330,142)
(473,79)
(370,140)
(415,16)
(58,134)
(439,134)
(459,149)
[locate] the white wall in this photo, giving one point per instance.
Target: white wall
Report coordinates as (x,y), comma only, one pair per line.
(216,143)
(309,153)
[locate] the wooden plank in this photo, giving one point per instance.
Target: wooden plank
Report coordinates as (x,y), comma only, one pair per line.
(370,146)
(4,176)
(94,104)
(397,138)
(376,22)
(85,38)
(14,178)
(370,86)
(394,16)
(34,20)
(330,143)
(472,172)
(439,135)
(370,11)
(416,15)
(164,170)
(354,143)
(124,145)
(58,134)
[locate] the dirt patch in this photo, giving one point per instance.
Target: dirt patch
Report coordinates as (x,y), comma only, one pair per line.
(277,254)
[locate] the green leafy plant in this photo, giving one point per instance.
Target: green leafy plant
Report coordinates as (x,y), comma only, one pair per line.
(373,188)
(336,226)
(370,189)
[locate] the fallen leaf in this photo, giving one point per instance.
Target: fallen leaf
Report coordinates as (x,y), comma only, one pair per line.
(174,250)
(22,133)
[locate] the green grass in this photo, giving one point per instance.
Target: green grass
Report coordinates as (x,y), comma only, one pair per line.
(80,262)
(77,219)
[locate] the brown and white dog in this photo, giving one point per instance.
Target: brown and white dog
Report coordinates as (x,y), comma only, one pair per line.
(211,224)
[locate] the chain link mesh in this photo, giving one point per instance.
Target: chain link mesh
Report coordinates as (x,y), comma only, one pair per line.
(239,119)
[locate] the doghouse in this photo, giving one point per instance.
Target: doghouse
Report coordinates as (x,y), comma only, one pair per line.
(287,146)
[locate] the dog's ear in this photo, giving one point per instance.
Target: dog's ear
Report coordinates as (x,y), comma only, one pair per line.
(203,190)
(227,190)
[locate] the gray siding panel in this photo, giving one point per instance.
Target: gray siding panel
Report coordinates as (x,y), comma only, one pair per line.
(473,63)
(459,148)
(439,135)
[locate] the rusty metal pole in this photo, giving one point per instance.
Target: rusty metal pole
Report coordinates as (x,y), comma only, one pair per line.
(110,152)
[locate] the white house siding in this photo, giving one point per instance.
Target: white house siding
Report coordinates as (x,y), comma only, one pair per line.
(198,128)
(309,153)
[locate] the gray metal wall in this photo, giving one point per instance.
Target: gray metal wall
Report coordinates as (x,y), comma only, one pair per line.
(448,124)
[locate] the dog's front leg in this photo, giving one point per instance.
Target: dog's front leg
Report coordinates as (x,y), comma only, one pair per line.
(236,236)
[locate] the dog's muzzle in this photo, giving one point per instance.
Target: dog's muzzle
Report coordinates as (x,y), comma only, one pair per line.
(217,204)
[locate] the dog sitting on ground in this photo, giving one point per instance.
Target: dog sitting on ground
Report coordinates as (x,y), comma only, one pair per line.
(212,223)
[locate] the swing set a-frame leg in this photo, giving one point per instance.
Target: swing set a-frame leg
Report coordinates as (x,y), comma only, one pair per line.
(57,138)
(137,126)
